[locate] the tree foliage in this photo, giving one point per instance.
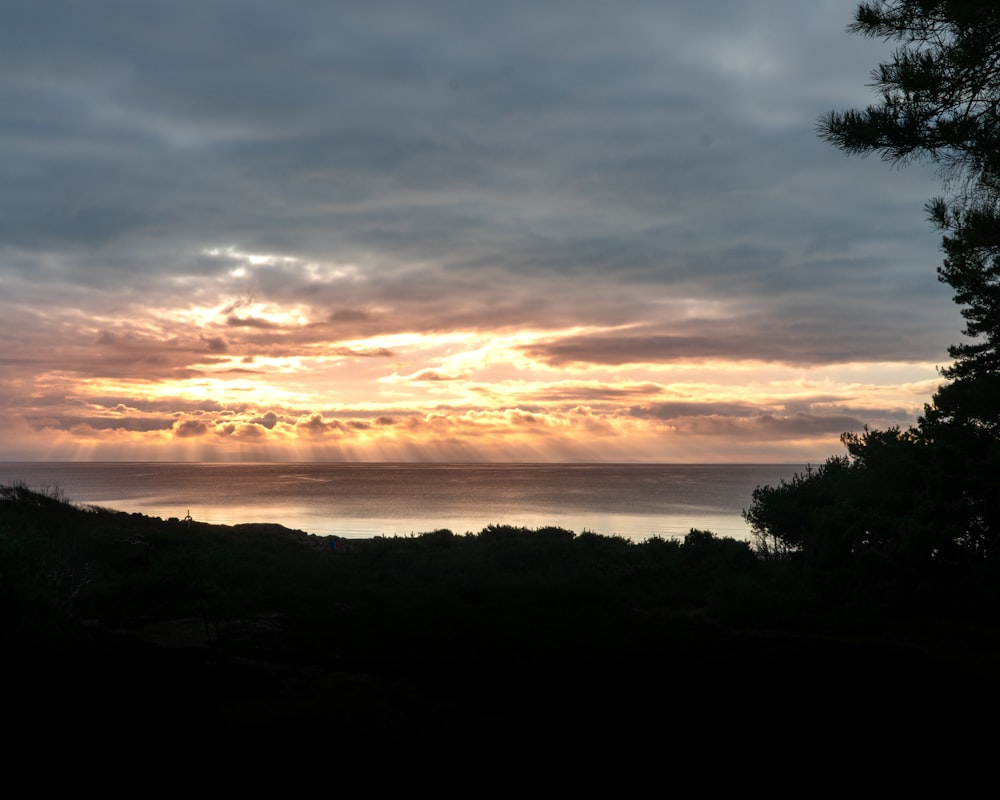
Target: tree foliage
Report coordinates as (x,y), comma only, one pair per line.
(940,104)
(938,94)
(929,494)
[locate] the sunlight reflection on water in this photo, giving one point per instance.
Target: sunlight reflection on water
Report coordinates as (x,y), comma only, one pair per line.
(634,501)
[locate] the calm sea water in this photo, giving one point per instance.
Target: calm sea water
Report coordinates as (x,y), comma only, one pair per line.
(362,500)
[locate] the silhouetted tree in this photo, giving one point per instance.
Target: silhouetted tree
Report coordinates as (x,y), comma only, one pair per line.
(940,103)
(929,494)
(938,94)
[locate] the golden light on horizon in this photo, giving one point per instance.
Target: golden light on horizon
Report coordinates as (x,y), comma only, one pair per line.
(257,380)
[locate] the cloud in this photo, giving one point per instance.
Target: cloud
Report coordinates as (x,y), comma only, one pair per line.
(268,420)
(245,432)
(216,344)
(515,212)
(188,428)
(669,411)
(250,322)
(432,376)
(95,423)
(316,426)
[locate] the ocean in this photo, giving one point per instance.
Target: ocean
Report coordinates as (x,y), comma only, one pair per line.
(364,500)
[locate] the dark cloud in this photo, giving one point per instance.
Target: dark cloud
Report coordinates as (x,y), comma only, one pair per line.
(589,393)
(789,340)
(243,432)
(467,134)
(645,174)
(123,423)
(431,375)
(190,428)
(216,344)
(809,424)
(316,426)
(268,420)
(170,405)
(250,322)
(350,315)
(674,410)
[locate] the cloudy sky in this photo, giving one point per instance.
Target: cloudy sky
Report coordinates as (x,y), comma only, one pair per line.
(452,230)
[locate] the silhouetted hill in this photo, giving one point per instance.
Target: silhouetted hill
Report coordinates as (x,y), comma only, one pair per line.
(256,632)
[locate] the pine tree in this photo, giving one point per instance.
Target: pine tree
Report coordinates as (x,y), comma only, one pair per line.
(931,494)
(940,104)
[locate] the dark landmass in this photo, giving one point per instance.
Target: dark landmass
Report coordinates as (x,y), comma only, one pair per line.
(149,630)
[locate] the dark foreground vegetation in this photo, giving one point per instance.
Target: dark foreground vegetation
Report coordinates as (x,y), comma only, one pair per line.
(150,629)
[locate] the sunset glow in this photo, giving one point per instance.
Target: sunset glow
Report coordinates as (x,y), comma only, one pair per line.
(264,380)
(626,245)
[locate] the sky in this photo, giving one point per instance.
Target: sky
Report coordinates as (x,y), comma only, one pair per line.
(557,230)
